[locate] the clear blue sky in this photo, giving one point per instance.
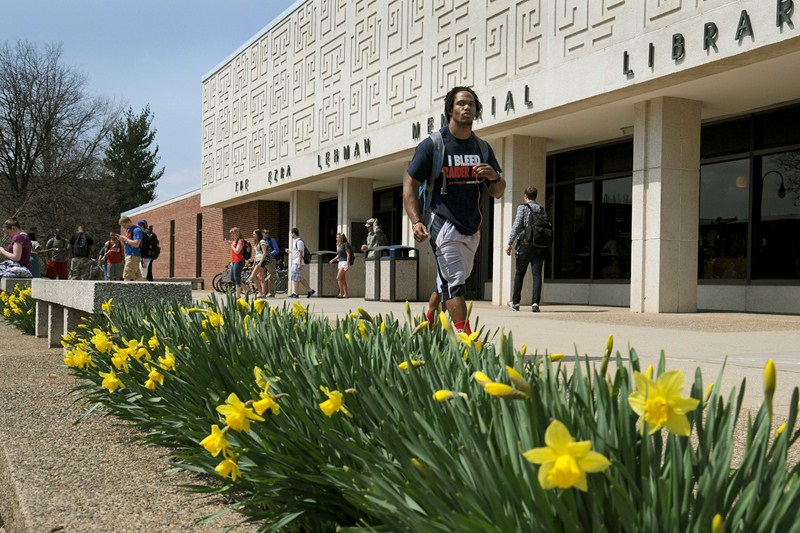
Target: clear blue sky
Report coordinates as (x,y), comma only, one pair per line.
(146,52)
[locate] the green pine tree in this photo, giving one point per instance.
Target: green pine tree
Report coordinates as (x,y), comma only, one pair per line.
(130,161)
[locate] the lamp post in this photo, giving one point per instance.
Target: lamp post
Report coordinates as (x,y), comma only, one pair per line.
(781,189)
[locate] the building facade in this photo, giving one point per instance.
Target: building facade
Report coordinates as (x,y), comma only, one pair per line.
(662,136)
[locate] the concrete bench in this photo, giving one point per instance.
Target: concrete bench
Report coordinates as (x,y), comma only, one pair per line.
(198,284)
(9,284)
(60,304)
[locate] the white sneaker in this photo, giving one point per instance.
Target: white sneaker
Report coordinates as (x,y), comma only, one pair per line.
(535,308)
(513,306)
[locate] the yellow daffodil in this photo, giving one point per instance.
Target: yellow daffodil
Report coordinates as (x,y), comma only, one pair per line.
(298,310)
(228,467)
(153,342)
(363,314)
(421,327)
(523,350)
(444,395)
(519,382)
(259,306)
(216,442)
(266,402)
(204,336)
(101,341)
(237,416)
(481,378)
(556,357)
(153,377)
(443,321)
(107,305)
(707,393)
(780,430)
(649,372)
(259,375)
(120,360)
(405,365)
(501,390)
(382,329)
(770,382)
(168,361)
(660,403)
(565,462)
(78,358)
(471,339)
(243,304)
(334,403)
(111,381)
(717,524)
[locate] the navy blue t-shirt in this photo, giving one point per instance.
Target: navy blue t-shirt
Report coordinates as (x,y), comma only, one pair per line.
(461,204)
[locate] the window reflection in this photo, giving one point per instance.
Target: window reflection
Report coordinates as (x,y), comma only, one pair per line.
(723,220)
(777,218)
(574,222)
(614,230)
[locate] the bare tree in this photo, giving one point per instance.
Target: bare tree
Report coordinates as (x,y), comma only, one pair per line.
(52,133)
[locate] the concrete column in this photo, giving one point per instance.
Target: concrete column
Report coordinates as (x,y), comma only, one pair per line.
(355,204)
(304,215)
(666,190)
(524,163)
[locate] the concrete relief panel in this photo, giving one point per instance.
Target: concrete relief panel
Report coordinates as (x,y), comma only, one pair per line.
(365,43)
(497,56)
(659,13)
(404,85)
(208,168)
(304,28)
(332,62)
(279,97)
(259,61)
(239,115)
(208,134)
(223,91)
(451,15)
(303,129)
(364,103)
(241,73)
(304,78)
(454,62)
(331,117)
(332,17)
(239,157)
(258,149)
(404,25)
(258,106)
(224,124)
(528,38)
(584,25)
(373,99)
(278,139)
(279,47)
(224,162)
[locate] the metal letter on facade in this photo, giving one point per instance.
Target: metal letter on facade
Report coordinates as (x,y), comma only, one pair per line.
(678,46)
(744,28)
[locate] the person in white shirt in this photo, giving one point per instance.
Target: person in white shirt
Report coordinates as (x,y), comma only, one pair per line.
(295,251)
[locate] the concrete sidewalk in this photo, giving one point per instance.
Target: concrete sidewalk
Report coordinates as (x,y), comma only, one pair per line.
(689,341)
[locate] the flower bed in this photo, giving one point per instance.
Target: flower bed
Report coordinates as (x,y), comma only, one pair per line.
(17,307)
(385,424)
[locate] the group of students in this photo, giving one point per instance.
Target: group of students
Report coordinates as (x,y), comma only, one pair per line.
(264,253)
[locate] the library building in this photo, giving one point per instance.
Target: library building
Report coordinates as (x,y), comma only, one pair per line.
(663,138)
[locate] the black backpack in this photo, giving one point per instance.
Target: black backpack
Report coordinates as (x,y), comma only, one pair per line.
(247,250)
(153,246)
(81,248)
(540,231)
(352,255)
(306,254)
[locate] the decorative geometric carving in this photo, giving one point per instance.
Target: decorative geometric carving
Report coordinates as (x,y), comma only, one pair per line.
(239,161)
(366,48)
(303,129)
(331,117)
(332,17)
(304,27)
(656,9)
(258,105)
(454,62)
(239,115)
(529,35)
(280,45)
(403,85)
(373,99)
(497,53)
(331,63)
(279,139)
(258,149)
(584,24)
(241,72)
(279,100)
(451,15)
(304,78)
(208,167)
(404,25)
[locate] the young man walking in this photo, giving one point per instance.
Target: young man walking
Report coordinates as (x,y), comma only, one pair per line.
(527,252)
(132,239)
(296,253)
(469,168)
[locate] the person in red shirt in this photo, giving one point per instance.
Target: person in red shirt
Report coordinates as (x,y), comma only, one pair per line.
(114,258)
(237,259)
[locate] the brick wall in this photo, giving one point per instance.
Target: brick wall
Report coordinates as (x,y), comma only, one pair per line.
(216,224)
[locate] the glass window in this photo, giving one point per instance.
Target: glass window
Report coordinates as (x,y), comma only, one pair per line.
(725,139)
(778,128)
(573,223)
(574,165)
(613,233)
(723,220)
(615,158)
(776,218)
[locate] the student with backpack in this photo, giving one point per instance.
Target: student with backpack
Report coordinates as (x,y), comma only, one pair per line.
(271,258)
(80,245)
(131,237)
(299,255)
(151,249)
(458,168)
(345,257)
(533,234)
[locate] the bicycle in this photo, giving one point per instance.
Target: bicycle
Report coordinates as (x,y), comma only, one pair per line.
(222,281)
(281,277)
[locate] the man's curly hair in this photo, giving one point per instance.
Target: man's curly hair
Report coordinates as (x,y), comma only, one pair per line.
(449,101)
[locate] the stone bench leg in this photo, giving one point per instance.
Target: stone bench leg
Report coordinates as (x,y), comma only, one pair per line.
(42,318)
(55,325)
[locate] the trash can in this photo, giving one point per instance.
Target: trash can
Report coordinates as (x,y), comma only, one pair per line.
(322,274)
(372,274)
(399,274)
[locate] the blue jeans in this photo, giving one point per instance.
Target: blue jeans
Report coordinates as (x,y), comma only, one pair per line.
(529,255)
(236,273)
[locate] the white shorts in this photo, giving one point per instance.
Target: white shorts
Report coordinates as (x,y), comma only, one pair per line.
(455,256)
(343,264)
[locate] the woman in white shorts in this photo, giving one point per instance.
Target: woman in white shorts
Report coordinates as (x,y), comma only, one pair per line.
(344,255)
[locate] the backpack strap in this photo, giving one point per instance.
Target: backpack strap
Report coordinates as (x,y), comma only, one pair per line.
(426,189)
